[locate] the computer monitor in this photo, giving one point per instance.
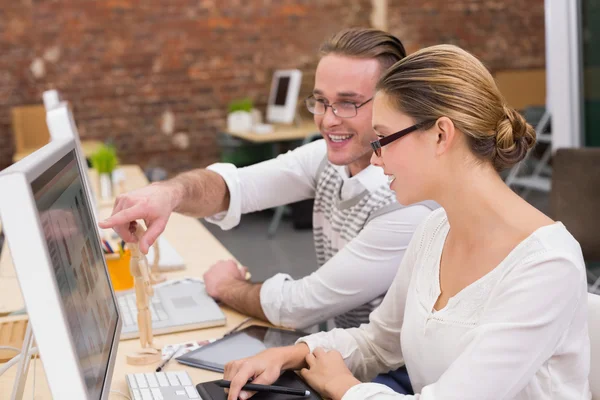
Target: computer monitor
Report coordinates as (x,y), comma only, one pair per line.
(55,247)
(283,98)
(61,125)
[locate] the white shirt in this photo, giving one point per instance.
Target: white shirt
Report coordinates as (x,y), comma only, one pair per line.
(361,271)
(519,332)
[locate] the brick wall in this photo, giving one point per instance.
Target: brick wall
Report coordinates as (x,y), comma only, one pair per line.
(155,76)
(505,34)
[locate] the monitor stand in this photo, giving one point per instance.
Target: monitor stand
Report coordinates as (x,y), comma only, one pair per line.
(27,350)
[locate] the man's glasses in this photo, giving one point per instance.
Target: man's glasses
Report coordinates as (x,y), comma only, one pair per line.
(342,109)
(379,143)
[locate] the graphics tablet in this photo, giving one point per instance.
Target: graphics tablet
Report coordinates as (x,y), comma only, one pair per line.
(244,343)
(289,379)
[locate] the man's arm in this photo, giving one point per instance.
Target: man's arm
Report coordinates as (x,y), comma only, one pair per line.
(244,297)
(221,187)
(226,282)
(198,192)
(360,272)
(191,186)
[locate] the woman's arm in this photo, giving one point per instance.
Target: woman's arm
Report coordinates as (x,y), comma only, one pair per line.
(525,321)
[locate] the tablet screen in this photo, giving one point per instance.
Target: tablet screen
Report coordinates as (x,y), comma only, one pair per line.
(245,343)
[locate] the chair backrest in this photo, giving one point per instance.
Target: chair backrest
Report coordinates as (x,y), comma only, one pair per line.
(29,128)
(594,330)
(575,196)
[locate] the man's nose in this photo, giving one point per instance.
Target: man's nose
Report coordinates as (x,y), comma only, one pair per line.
(329,118)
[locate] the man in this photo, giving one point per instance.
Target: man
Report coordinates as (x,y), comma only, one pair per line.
(360,231)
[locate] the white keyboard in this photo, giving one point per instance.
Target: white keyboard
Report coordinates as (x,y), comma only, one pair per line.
(172,385)
(129,309)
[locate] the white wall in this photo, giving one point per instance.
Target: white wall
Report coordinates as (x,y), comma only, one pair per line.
(563,72)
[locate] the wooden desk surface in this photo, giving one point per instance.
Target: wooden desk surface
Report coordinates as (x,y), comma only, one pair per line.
(198,248)
(281,133)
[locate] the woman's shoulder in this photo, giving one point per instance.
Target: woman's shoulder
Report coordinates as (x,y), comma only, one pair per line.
(430,228)
(552,248)
(554,240)
(434,222)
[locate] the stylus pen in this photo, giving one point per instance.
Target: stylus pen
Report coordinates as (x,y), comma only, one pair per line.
(162,364)
(253,387)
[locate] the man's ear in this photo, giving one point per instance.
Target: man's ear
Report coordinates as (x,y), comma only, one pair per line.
(446,134)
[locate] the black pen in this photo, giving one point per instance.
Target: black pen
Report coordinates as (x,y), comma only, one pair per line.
(253,387)
(165,361)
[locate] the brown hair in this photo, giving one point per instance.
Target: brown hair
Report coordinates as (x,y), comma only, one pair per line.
(365,43)
(447,81)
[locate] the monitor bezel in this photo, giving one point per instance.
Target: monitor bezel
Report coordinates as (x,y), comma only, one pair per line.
(286,113)
(32,263)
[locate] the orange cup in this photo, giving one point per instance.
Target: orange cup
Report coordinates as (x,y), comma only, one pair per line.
(118,269)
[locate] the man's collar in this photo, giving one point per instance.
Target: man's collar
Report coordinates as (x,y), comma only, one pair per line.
(371,177)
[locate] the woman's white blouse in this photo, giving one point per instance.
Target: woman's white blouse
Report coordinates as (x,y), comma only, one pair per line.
(519,332)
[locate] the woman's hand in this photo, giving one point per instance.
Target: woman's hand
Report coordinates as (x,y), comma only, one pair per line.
(264,368)
(328,374)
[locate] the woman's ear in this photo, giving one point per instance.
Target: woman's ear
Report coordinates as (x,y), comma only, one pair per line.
(446,134)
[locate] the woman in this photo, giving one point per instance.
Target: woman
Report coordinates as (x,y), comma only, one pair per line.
(490,299)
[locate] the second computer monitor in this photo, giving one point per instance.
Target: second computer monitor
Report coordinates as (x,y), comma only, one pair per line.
(283,98)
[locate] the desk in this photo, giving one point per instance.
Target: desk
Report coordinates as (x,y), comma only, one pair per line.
(187,235)
(281,133)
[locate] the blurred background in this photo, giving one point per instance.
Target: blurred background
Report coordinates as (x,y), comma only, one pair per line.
(156,76)
(156,79)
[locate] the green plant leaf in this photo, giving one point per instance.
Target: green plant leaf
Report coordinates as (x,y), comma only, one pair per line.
(245,104)
(104,160)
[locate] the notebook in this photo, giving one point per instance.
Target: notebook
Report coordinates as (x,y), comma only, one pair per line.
(170,260)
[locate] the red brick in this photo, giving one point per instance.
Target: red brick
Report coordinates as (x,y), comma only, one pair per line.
(123,63)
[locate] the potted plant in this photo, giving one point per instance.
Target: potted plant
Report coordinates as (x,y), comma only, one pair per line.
(104,161)
(239,117)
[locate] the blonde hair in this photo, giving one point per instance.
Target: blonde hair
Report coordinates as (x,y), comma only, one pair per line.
(365,43)
(447,81)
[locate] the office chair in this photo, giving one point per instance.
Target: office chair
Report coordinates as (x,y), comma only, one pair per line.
(29,129)
(575,201)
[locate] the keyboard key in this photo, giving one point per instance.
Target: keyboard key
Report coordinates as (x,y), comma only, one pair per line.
(157,394)
(172,377)
(184,378)
(136,395)
(146,395)
(162,379)
(141,380)
(180,392)
(152,382)
(131,303)
(132,381)
(162,316)
(127,320)
(192,392)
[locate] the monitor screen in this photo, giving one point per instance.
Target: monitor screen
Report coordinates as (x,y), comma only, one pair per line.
(79,270)
(282,89)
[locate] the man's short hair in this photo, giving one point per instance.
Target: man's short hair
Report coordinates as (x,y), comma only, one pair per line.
(365,43)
